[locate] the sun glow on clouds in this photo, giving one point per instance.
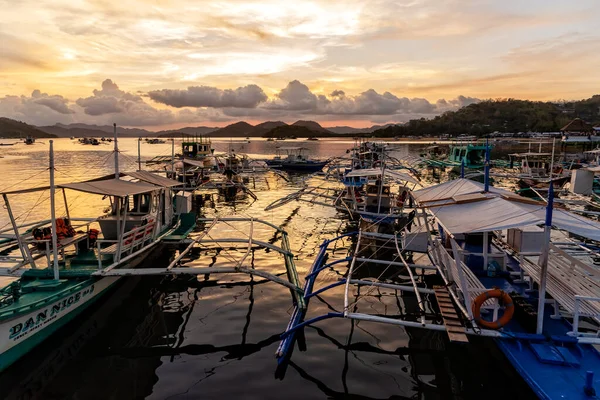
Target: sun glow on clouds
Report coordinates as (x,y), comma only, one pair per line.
(415,49)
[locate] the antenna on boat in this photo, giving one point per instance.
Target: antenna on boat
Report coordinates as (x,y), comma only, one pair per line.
(544,261)
(53,212)
(487,167)
(139,154)
(173,157)
(116,152)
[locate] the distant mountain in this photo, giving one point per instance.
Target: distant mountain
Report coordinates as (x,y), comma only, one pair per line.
(287,131)
(9,128)
(349,129)
(312,125)
(68,132)
(241,128)
(86,130)
(189,131)
(265,127)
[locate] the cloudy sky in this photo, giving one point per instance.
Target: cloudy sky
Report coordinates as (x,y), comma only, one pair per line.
(170,63)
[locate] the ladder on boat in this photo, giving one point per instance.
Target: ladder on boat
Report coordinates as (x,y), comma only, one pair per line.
(452,322)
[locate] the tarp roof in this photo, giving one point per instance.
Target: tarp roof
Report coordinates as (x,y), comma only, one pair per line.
(530,154)
(154,179)
(111,187)
(499,210)
(195,163)
(102,185)
(483,216)
(377,172)
(447,190)
(577,125)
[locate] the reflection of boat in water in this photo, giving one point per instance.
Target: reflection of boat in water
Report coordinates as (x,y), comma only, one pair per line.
(61,264)
(295,160)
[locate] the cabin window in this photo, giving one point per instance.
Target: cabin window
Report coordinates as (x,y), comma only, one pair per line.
(140,204)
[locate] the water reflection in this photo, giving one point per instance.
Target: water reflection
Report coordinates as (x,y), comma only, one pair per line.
(215,337)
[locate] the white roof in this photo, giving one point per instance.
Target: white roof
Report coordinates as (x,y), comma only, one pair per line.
(195,163)
(397,175)
(497,210)
(447,190)
(487,215)
(530,154)
(154,179)
(111,187)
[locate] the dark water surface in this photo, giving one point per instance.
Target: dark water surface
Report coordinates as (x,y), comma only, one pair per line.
(215,337)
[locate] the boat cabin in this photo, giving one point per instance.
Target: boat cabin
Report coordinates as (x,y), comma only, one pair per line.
(532,164)
(473,155)
(198,148)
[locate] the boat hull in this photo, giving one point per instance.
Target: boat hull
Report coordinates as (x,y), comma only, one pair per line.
(20,334)
(298,167)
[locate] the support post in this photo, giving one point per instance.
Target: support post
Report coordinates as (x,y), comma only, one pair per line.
(53,213)
(462,168)
(66,204)
(487,167)
(22,246)
(116,152)
(544,261)
(173,158)
(485,250)
(139,154)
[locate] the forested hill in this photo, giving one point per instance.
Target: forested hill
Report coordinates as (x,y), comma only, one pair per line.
(506,115)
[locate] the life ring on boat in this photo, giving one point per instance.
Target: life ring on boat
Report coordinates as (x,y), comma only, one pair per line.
(509,308)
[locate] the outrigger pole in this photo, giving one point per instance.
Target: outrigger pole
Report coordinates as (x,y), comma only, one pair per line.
(53,212)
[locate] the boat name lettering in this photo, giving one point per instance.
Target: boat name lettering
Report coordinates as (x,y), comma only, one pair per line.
(49,314)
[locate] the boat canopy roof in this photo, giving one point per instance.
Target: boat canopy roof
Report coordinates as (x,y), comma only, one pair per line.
(154,179)
(111,186)
(461,212)
(195,163)
(530,154)
(286,148)
(444,192)
(397,175)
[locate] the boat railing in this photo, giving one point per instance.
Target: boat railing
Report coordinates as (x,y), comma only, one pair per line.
(577,313)
(130,241)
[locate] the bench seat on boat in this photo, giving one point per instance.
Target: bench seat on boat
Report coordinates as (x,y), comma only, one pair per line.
(62,243)
(568,277)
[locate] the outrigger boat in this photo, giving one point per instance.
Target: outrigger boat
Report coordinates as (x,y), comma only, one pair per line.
(496,274)
(55,268)
(295,161)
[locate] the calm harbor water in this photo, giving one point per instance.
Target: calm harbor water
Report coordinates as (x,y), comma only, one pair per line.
(215,337)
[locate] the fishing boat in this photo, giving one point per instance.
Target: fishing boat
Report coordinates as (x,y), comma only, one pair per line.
(480,263)
(55,268)
(196,149)
(295,160)
(470,155)
(154,141)
(29,140)
(537,170)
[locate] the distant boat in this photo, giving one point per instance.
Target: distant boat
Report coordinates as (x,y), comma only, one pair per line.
(29,140)
(295,161)
(312,138)
(270,139)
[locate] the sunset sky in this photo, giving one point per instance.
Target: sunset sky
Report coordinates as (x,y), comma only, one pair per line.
(160,63)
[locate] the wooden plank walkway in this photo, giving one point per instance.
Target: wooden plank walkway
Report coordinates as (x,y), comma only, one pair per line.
(453,324)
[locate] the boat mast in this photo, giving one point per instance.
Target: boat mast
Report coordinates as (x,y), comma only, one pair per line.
(53,212)
(116,152)
(173,158)
(544,261)
(139,154)
(552,160)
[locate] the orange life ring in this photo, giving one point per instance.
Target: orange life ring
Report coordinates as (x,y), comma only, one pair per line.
(509,308)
